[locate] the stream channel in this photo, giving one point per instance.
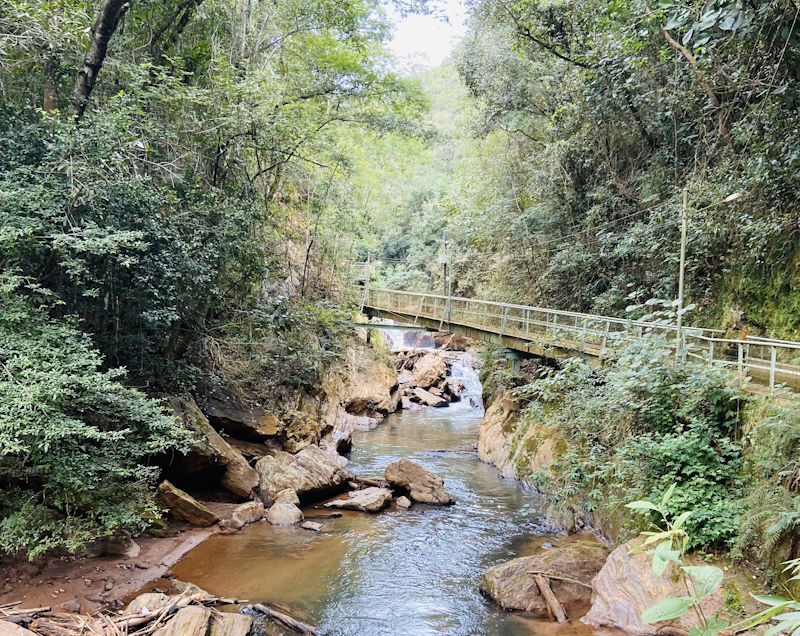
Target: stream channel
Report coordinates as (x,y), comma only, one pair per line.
(400,571)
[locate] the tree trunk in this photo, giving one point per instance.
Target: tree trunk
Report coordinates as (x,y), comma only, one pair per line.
(105,25)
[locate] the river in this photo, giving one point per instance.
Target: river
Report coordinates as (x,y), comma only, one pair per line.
(405,572)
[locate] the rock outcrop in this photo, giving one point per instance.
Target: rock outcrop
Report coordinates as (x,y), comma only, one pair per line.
(371,388)
(626,586)
(429,399)
(512,584)
(422,485)
(372,499)
(212,456)
(182,505)
(227,412)
(515,453)
(312,472)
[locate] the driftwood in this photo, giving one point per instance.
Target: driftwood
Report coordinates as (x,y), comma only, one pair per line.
(370,481)
(554,606)
(558,577)
(288,621)
(45,622)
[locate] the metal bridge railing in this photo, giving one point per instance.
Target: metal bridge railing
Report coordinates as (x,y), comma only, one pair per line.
(767,362)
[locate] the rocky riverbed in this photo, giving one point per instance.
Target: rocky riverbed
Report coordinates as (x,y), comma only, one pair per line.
(364,510)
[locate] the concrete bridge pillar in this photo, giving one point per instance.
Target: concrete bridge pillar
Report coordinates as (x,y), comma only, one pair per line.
(513,356)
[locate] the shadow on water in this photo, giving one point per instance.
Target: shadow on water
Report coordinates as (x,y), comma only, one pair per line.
(400,571)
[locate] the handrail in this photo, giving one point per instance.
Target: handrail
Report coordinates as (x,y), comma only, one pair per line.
(756,355)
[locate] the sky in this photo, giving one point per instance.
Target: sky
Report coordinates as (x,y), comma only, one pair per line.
(426,40)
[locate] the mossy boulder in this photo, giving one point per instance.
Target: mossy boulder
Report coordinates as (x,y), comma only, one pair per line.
(570,569)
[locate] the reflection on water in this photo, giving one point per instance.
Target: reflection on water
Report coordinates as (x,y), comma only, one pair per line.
(401,571)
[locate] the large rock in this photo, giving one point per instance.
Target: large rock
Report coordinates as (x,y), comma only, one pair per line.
(421,484)
(283,513)
(230,624)
(312,472)
(626,586)
(372,499)
(428,371)
(192,620)
(183,506)
(429,399)
(234,416)
(371,388)
(212,456)
(246,514)
(512,586)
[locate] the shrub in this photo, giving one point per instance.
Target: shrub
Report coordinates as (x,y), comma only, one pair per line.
(74,440)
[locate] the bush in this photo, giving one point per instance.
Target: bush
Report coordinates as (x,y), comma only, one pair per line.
(639,425)
(74,441)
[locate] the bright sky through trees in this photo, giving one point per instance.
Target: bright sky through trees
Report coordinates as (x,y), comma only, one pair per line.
(426,40)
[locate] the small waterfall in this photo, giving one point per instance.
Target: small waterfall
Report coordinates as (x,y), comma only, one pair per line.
(463,370)
(404,339)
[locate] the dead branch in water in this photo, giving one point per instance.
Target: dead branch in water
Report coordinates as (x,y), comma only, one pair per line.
(288,621)
(554,606)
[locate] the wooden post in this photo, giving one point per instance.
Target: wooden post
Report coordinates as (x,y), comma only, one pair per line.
(772,360)
(740,363)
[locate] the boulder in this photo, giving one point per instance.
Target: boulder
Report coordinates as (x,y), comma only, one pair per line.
(192,620)
(246,514)
(428,371)
(118,544)
(403,502)
(421,484)
(372,499)
(227,412)
(512,586)
(340,439)
(212,455)
(626,586)
(312,525)
(453,388)
(283,513)
(288,495)
(429,399)
(182,505)
(312,472)
(177,586)
(151,601)
(230,624)
(370,387)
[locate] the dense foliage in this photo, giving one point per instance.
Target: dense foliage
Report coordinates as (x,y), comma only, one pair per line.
(582,124)
(173,181)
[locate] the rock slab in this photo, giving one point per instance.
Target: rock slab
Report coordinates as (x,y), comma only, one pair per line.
(422,485)
(183,506)
(246,514)
(372,499)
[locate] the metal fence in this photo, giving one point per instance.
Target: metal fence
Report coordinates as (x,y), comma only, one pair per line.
(767,362)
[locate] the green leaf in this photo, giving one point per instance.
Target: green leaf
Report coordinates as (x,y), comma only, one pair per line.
(642,506)
(681,519)
(667,495)
(666,610)
(707,578)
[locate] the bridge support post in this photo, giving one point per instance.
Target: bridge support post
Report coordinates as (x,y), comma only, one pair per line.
(513,358)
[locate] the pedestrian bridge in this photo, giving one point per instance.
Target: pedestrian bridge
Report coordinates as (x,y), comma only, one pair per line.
(762,364)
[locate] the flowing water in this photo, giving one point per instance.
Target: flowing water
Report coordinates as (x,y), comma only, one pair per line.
(413,572)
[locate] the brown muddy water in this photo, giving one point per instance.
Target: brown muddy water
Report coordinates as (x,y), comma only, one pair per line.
(405,572)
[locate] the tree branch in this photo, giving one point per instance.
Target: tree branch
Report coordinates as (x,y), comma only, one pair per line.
(105,25)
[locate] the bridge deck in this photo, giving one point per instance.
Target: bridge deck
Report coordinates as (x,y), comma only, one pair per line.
(555,333)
